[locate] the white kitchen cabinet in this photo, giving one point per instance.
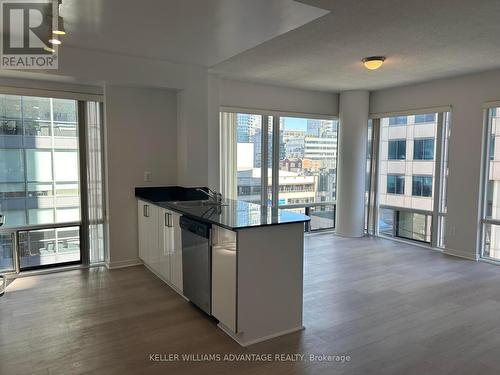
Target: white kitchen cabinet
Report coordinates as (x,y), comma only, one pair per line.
(224,304)
(160,242)
(148,234)
(142,224)
(257,271)
(176,251)
(165,243)
(170,244)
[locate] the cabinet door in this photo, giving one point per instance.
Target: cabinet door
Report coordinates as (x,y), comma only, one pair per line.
(165,242)
(153,258)
(224,277)
(224,285)
(142,230)
(176,252)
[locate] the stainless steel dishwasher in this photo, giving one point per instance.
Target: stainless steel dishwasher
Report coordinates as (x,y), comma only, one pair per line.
(197,263)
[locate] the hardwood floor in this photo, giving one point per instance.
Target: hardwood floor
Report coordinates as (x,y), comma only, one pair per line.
(393,308)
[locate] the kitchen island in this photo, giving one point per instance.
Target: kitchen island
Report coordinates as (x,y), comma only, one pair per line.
(256,258)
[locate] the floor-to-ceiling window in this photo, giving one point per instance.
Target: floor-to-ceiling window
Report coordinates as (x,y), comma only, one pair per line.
(308,167)
(41,182)
(39,178)
(491,187)
(409,180)
(301,169)
(249,155)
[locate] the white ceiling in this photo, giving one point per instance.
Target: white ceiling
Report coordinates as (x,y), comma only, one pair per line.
(423,40)
(201,32)
(311,44)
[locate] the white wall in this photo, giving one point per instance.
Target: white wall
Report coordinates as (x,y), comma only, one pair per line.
(466,95)
(255,96)
(141,135)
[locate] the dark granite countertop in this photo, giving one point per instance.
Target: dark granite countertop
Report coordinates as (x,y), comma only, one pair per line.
(232,215)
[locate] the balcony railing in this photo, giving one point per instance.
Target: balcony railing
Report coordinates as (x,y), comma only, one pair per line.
(39,246)
(407,223)
(322,214)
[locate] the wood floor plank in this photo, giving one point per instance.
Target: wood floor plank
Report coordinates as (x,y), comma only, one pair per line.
(393,308)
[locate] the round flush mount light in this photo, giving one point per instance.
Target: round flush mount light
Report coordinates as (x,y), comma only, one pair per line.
(373,62)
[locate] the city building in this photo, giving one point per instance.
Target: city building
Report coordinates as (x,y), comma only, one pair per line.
(248,125)
(323,149)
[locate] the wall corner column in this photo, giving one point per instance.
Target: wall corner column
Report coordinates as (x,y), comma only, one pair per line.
(353,122)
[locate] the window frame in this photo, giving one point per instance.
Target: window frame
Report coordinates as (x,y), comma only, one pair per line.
(397,123)
(81,129)
(489,113)
(423,140)
(443,117)
(270,121)
(426,120)
(400,177)
(397,143)
(422,178)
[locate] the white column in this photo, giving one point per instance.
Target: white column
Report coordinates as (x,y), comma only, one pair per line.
(353,118)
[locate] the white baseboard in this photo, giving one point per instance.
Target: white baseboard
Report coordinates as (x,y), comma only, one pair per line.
(236,338)
(123,263)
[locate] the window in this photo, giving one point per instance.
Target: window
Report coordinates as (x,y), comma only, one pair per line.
(423,149)
(248,156)
(422,119)
(307,160)
(397,150)
(301,164)
(422,186)
(399,120)
(419,211)
(33,164)
(491,187)
(10,115)
(395,184)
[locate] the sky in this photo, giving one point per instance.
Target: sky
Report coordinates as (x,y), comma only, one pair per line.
(293,123)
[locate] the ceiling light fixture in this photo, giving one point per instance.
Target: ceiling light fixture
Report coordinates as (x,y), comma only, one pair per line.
(373,62)
(60,30)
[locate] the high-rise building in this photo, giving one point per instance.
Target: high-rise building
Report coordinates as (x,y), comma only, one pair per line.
(247,125)
(320,128)
(319,148)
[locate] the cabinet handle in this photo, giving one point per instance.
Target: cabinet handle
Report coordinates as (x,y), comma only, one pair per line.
(146,210)
(166,219)
(170,220)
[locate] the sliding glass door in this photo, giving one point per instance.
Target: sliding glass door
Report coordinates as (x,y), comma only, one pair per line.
(44,163)
(39,178)
(287,162)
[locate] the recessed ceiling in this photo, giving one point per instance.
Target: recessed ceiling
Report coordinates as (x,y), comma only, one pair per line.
(422,40)
(201,32)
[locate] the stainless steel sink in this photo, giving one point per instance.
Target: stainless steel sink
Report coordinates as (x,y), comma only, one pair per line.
(202,203)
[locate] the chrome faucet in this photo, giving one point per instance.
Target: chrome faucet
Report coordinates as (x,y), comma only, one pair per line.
(212,195)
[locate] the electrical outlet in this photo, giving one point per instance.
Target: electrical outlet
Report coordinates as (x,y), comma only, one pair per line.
(148,177)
